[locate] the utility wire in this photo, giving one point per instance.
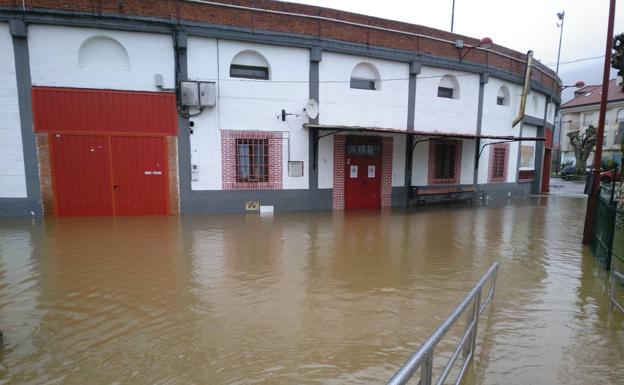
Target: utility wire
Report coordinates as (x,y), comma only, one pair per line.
(576,60)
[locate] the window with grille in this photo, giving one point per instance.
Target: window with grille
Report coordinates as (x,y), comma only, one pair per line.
(252,160)
(445,92)
(500,100)
(498,163)
(249,72)
(445,160)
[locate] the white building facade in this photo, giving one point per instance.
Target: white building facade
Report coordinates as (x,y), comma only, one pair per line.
(94,122)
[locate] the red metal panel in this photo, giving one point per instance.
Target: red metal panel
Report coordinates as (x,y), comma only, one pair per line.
(549,138)
(82,175)
(103,111)
(140,175)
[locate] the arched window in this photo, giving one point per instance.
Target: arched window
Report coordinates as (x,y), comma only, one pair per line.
(502,98)
(448,87)
(620,116)
(250,64)
(103,53)
(365,77)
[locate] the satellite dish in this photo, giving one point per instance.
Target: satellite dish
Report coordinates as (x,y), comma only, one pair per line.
(312,109)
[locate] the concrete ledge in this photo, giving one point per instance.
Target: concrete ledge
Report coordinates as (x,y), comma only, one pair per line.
(233,201)
(14,208)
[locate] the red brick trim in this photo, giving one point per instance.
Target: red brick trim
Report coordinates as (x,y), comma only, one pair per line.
(432,164)
(228,160)
(491,177)
(386,172)
(338,199)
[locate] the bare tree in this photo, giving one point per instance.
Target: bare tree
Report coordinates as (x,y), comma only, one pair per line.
(583,144)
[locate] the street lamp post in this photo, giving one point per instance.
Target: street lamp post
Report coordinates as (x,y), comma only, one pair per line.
(561,16)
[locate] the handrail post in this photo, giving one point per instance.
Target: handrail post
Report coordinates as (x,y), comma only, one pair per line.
(475,324)
(426,370)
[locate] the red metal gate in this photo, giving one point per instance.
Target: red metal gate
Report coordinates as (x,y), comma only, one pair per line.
(109,175)
(363,175)
(139,175)
(108,149)
(81,174)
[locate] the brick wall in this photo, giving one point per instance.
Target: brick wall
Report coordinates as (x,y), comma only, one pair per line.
(45,173)
(228,160)
(386,172)
(338,201)
(172,162)
(251,19)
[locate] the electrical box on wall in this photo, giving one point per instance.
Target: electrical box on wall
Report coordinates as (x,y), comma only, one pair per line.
(207,94)
(198,94)
(189,94)
(295,168)
(194,172)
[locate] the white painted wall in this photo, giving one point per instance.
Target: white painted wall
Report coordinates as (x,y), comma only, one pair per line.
(12,174)
(384,107)
(497,121)
(246,104)
(435,114)
(54,59)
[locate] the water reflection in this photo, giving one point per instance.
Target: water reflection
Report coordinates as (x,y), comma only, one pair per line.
(315,298)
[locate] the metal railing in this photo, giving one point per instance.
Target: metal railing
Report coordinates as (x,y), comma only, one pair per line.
(615,276)
(423,358)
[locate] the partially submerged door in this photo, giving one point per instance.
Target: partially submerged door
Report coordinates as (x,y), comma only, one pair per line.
(363,173)
(82,175)
(139,175)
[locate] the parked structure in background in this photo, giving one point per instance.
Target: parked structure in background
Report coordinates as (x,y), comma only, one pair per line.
(582,112)
(133,107)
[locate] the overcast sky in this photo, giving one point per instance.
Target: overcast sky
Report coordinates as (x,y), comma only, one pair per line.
(520,25)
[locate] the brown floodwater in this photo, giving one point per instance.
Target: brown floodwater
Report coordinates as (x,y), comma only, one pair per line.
(304,298)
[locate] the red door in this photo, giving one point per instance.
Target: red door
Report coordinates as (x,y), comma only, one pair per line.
(139,175)
(109,175)
(82,175)
(363,175)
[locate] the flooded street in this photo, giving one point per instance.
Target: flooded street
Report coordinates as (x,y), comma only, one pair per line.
(304,298)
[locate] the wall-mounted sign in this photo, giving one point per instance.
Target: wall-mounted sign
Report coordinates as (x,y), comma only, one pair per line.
(252,206)
(371,170)
(354,171)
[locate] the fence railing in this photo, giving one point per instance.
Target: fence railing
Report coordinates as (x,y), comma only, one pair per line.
(423,358)
(615,278)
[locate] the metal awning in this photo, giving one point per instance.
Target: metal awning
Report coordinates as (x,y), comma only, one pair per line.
(429,135)
(433,134)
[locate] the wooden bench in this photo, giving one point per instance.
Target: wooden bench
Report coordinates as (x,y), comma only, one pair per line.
(446,194)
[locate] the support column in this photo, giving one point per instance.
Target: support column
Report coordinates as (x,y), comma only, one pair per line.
(539,153)
(414,70)
(316,55)
(184,137)
(483,79)
(19,32)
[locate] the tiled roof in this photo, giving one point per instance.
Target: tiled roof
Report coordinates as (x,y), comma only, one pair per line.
(591,95)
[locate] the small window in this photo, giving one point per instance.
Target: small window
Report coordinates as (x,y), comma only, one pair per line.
(502,97)
(364,77)
(619,118)
(444,162)
(250,64)
(249,72)
(252,160)
(363,84)
(448,87)
(527,156)
(588,119)
(363,149)
(444,92)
